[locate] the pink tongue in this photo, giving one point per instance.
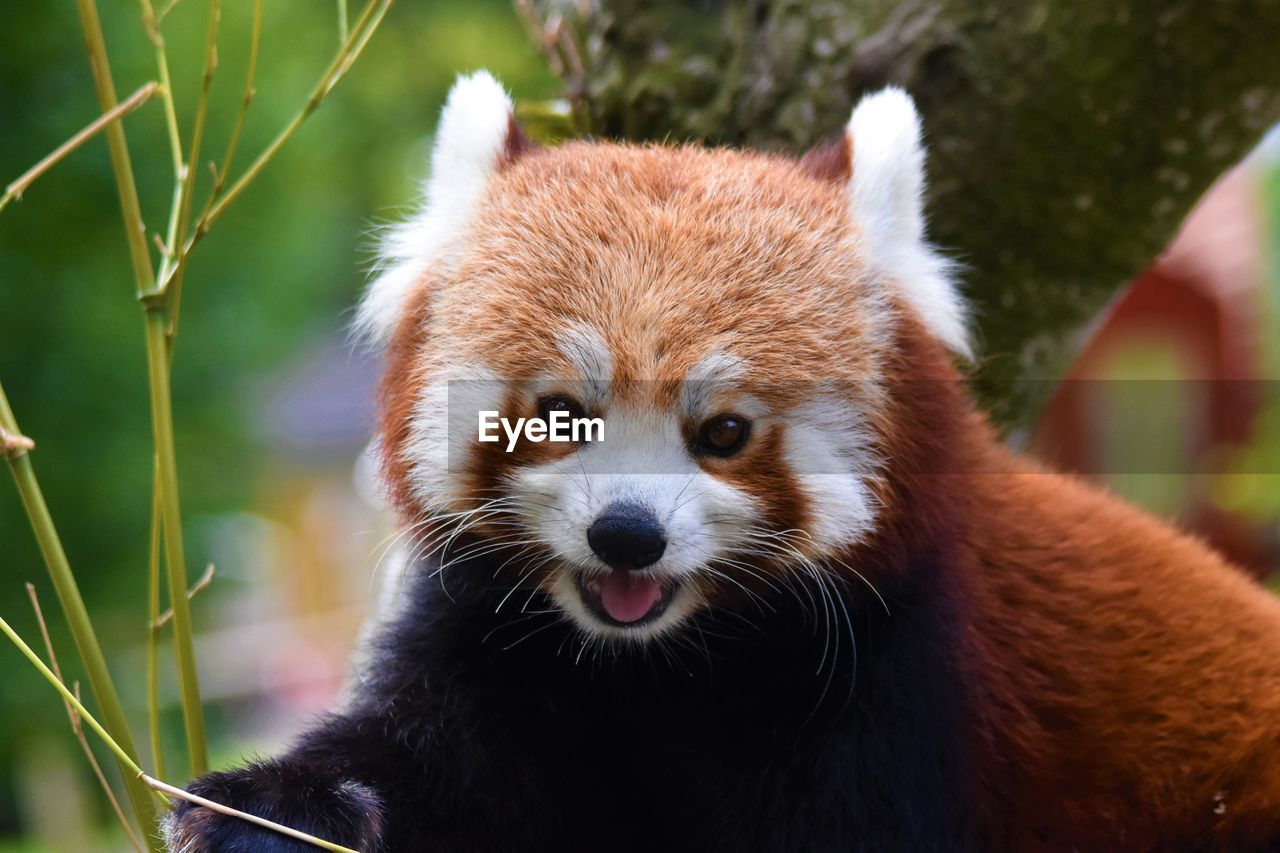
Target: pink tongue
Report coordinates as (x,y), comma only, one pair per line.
(629,597)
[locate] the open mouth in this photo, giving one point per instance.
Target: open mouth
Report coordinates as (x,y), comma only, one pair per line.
(625,599)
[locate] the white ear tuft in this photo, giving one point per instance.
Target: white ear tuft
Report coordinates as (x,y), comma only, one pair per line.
(470,140)
(886,194)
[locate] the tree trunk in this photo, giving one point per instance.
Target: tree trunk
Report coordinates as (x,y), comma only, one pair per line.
(1067,140)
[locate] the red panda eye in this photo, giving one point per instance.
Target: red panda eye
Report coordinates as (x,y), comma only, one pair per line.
(547,405)
(723,435)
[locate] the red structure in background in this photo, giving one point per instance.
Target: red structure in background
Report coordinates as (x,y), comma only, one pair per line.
(1200,301)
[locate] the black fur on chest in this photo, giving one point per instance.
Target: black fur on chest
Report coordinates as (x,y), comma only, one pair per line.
(783,728)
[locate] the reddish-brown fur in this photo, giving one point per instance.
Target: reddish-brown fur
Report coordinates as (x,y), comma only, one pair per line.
(1126,679)
(1130,677)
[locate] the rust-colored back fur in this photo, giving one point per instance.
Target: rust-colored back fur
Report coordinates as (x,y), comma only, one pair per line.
(1128,678)
(1142,671)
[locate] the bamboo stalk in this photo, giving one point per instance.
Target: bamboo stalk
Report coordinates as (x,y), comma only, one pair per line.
(160,296)
(153,636)
(122,109)
(77,616)
(175,559)
(136,773)
(121,167)
(158,373)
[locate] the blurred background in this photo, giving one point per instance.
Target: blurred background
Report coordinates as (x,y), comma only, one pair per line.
(273,406)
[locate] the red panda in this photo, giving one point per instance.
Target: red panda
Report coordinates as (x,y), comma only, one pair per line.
(798,596)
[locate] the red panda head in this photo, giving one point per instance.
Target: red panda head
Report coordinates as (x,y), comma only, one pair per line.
(730,318)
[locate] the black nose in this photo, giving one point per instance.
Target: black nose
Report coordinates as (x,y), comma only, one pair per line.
(627,536)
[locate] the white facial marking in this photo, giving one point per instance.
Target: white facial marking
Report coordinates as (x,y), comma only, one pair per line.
(590,367)
(710,379)
(586,350)
(830,452)
(443,429)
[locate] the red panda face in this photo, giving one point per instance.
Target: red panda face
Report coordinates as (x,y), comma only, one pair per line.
(716,320)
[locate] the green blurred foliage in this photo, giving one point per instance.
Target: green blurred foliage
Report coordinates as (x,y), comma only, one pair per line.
(283,267)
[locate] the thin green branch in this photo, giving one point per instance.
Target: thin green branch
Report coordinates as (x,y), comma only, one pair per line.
(153,614)
(175,559)
(363,29)
(151,23)
(152,26)
(173,270)
(165,295)
(77,616)
(343,22)
(122,109)
(220,175)
(255,39)
(358,45)
(366,24)
(202,111)
(205,579)
(76,728)
(122,754)
(121,166)
(166,9)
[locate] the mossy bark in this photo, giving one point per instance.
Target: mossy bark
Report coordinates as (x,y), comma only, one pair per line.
(1067,140)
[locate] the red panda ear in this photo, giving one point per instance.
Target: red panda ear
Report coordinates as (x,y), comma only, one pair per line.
(477,137)
(886,192)
(831,161)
